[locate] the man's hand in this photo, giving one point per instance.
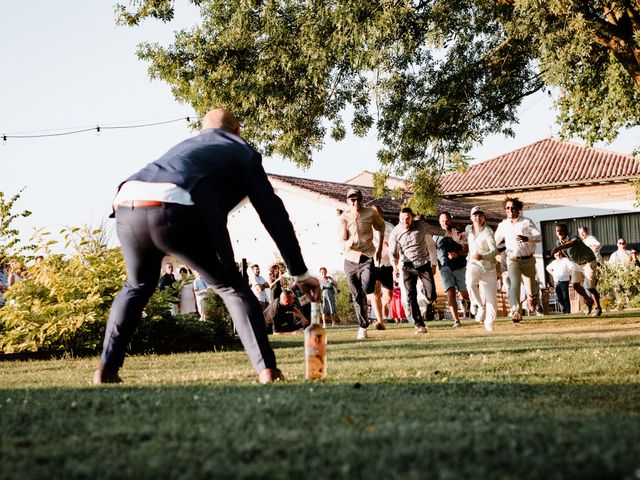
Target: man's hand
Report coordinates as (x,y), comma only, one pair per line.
(522,238)
(477,256)
(311,286)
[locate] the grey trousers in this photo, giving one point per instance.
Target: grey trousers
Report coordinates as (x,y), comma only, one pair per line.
(146,235)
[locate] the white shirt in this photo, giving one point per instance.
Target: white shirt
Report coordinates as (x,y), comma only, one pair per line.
(483,243)
(593,243)
(508,230)
(623,257)
(262,295)
(560,270)
(416,244)
(162,192)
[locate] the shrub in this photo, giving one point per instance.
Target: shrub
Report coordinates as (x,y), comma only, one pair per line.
(619,285)
(344,302)
(63,305)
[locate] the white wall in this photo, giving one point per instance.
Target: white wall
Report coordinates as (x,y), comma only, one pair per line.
(314,219)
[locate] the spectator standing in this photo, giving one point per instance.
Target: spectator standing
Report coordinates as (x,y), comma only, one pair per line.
(275,282)
(329,291)
(520,236)
(179,205)
(259,285)
(187,297)
(411,239)
(560,270)
(168,278)
(356,226)
(591,242)
(621,256)
(200,289)
(3,282)
(452,263)
(586,270)
(481,268)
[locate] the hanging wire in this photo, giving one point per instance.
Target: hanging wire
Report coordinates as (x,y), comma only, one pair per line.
(97,129)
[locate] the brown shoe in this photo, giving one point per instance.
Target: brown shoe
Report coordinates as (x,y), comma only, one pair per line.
(270,375)
(380,326)
(105,375)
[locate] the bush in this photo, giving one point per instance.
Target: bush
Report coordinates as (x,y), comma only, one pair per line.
(63,306)
(619,285)
(344,302)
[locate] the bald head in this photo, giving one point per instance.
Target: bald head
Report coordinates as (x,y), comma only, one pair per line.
(221,118)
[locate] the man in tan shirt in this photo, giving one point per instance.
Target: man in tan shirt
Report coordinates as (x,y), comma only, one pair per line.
(357,224)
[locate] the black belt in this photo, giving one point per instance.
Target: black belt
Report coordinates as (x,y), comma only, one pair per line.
(526,257)
(140,203)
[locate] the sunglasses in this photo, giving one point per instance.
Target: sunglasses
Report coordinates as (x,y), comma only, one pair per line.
(622,243)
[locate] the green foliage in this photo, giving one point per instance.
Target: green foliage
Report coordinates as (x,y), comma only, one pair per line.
(64,302)
(434,78)
(619,285)
(62,305)
(344,301)
(9,235)
(556,398)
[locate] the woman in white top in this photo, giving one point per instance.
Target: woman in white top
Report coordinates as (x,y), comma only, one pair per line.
(481,268)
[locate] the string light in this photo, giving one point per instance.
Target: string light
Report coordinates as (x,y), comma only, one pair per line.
(97,129)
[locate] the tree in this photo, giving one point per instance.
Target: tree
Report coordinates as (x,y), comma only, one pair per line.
(9,235)
(433,77)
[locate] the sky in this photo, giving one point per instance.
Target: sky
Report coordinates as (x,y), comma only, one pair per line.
(67,66)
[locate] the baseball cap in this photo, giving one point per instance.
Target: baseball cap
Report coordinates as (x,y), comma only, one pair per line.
(354,192)
(475,210)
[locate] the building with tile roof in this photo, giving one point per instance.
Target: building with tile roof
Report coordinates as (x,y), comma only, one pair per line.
(559,182)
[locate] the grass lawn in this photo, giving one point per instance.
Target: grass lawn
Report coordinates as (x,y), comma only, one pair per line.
(558,397)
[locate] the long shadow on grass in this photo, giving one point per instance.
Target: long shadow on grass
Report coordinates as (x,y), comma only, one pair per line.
(349,430)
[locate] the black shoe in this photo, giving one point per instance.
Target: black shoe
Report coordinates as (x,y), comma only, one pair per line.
(590,307)
(430,313)
(597,312)
(105,375)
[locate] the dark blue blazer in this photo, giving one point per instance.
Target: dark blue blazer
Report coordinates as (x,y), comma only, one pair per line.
(219,169)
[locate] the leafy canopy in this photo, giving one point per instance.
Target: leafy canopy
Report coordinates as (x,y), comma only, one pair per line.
(433,77)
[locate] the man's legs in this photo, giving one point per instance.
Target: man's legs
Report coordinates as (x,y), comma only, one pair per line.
(461,285)
(354,273)
(562,294)
(410,279)
(143,260)
(590,270)
(425,273)
(515,280)
(182,233)
(528,269)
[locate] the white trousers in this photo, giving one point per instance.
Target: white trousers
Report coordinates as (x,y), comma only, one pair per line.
(482,287)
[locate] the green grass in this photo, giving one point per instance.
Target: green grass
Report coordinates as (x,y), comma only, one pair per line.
(558,397)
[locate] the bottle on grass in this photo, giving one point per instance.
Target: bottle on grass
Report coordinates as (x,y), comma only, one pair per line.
(315,347)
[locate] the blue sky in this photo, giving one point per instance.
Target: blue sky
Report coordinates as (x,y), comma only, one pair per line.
(66,65)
